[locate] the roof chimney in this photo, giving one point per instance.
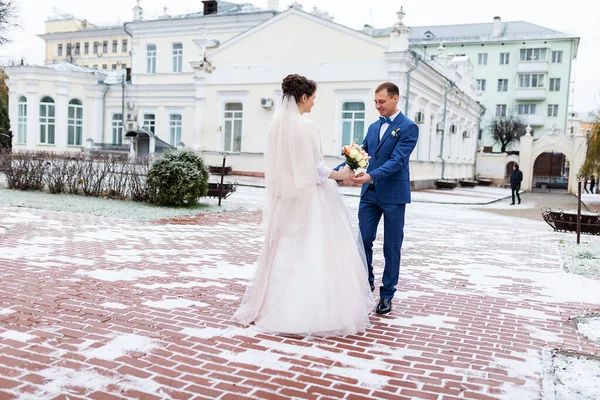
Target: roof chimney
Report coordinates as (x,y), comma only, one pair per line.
(137,11)
(210,7)
(496,29)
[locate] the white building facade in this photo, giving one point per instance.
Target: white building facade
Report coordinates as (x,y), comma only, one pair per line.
(212,82)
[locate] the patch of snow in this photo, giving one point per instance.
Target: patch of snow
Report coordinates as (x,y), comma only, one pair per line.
(221,270)
(6,311)
(228,297)
(209,332)
(59,380)
(437,321)
(590,327)
(544,335)
(179,285)
(145,385)
(170,304)
(582,259)
(120,346)
(570,377)
(117,306)
(18,336)
(125,274)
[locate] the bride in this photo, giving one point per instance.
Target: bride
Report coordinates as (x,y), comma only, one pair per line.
(311,278)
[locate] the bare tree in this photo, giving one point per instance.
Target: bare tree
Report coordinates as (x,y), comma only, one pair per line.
(8,14)
(507,129)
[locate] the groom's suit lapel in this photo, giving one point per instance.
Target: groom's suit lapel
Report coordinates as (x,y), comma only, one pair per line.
(395,123)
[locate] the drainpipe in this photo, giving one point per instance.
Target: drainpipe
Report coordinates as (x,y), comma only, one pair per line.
(106,89)
(131,51)
(441,156)
(481,113)
(417,58)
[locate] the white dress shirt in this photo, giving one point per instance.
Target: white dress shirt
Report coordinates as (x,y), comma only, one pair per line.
(386,125)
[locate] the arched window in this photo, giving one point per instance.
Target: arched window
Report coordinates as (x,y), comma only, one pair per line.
(22,121)
(47,120)
(75,123)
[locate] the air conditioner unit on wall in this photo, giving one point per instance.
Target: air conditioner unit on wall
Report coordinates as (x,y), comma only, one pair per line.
(131,126)
(266,103)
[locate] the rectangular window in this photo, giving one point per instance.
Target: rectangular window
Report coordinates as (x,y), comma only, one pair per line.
(105,47)
(526,109)
(117,129)
(532,80)
(75,123)
(22,121)
(86,48)
(501,110)
(554,84)
(60,50)
(96,47)
(557,57)
(104,67)
(353,122)
(115,46)
(124,46)
(47,121)
(177,57)
(151,59)
(482,59)
(553,110)
(114,67)
(481,85)
(233,120)
(77,49)
(504,58)
(175,129)
(149,122)
(539,54)
(503,85)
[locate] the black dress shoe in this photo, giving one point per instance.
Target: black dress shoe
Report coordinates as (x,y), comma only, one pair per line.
(384,306)
(372,287)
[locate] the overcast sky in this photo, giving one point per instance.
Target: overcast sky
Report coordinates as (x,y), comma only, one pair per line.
(577,17)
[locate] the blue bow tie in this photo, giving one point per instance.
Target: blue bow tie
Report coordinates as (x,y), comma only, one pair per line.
(385,120)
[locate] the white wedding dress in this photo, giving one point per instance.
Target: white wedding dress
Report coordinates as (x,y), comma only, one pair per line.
(311,275)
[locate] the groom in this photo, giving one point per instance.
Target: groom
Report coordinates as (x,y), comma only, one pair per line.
(386,187)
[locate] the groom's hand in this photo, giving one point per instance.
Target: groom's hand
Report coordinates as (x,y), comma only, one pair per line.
(361,179)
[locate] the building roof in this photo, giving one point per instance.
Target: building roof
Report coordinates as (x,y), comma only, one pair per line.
(223,8)
(65,66)
(514,30)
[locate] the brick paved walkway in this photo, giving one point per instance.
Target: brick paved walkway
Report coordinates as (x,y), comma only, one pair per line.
(94,308)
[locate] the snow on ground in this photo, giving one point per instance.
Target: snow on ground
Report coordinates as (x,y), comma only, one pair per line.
(583,258)
(120,346)
(570,377)
(590,327)
(170,304)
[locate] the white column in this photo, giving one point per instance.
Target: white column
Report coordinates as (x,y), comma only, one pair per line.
(526,159)
(61,113)
(33,116)
(578,158)
(13,114)
(199,101)
(93,124)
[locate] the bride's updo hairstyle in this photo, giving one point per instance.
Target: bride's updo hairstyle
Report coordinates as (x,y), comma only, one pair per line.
(297,86)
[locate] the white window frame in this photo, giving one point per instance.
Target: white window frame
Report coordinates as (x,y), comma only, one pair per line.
(554,85)
(22,121)
(482,59)
(233,120)
(117,128)
(524,83)
(526,109)
(47,121)
(481,85)
(500,110)
(233,96)
(504,58)
(552,110)
(175,129)
(503,85)
(149,124)
(75,124)
(151,58)
(124,46)
(177,57)
(353,120)
(348,96)
(529,54)
(557,56)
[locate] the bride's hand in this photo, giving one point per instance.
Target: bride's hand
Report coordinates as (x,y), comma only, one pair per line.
(345,173)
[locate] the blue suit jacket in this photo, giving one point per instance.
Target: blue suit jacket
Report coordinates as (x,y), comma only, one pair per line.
(389,165)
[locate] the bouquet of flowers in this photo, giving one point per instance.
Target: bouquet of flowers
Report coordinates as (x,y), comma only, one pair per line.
(356,158)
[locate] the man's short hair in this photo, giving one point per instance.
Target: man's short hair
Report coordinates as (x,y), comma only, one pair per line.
(391,89)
